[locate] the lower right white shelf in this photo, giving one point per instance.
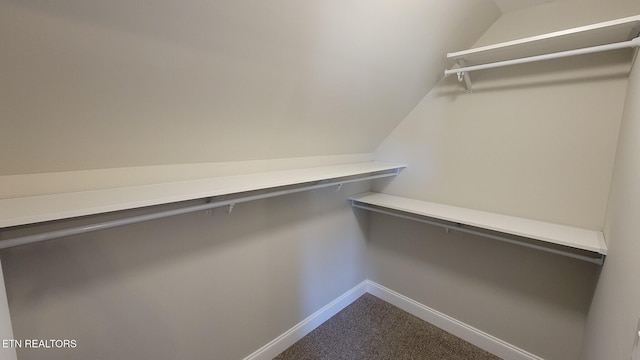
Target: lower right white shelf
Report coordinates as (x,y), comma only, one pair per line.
(569,241)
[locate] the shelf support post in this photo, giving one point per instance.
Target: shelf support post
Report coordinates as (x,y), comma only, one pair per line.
(464,75)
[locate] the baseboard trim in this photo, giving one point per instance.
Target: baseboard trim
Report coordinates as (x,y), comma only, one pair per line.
(291,336)
(464,331)
(458,328)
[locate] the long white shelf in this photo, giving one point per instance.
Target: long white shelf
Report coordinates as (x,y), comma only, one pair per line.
(602,33)
(36,209)
(576,238)
(605,36)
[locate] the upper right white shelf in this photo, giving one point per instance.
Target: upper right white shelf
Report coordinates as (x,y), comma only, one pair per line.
(608,32)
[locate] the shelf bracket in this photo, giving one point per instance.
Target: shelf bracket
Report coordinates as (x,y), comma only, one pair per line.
(230,208)
(209,212)
(463,70)
(464,75)
(458,227)
(211,203)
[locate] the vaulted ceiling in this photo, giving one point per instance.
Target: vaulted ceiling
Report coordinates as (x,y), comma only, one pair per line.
(98,84)
(512,5)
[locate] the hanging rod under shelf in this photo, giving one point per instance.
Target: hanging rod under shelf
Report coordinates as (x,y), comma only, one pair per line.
(594,49)
(44,236)
(590,246)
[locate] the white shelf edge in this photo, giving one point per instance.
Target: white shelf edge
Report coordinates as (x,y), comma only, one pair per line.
(557,34)
(577,238)
(42,208)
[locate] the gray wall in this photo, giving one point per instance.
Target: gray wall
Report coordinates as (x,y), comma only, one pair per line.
(91,84)
(96,93)
(536,301)
(188,287)
(613,317)
(536,141)
(90,87)
(6,331)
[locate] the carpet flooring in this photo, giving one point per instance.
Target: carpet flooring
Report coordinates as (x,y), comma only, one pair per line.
(372,329)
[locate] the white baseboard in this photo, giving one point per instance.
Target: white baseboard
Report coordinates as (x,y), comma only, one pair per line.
(466,332)
(291,336)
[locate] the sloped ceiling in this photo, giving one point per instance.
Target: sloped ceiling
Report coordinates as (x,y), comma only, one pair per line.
(512,5)
(97,84)
(576,6)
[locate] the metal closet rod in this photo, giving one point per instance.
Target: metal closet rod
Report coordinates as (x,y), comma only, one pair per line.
(594,49)
(460,228)
(29,239)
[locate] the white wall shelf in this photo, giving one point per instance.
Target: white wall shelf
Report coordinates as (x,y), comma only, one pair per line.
(590,245)
(36,209)
(575,41)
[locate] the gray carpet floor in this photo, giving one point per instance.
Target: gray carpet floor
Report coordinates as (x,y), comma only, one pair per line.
(373,329)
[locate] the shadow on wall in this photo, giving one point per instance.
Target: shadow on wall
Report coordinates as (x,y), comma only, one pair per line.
(530,273)
(120,286)
(559,72)
(192,81)
(535,300)
(218,286)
